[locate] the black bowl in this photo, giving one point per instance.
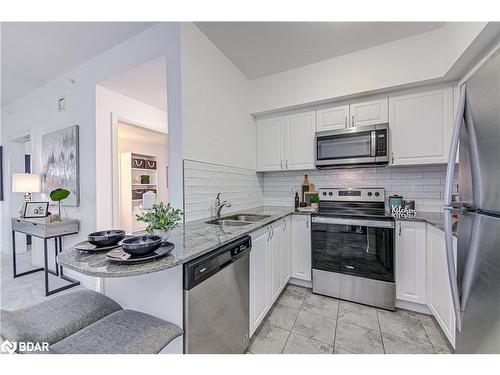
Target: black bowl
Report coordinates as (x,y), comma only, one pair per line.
(106,237)
(141,245)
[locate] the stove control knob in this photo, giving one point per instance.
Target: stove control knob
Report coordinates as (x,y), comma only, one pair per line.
(369,193)
(377,193)
(324,193)
(330,193)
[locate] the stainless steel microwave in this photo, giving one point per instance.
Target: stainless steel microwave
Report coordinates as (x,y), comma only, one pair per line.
(359,146)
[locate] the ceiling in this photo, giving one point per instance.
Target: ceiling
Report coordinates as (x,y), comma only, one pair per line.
(34,53)
(258,49)
(140,135)
(146,83)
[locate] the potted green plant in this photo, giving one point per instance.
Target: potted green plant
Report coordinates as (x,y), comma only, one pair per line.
(58,195)
(145,179)
(161,219)
(314,201)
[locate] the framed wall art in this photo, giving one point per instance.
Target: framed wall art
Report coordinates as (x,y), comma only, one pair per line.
(60,163)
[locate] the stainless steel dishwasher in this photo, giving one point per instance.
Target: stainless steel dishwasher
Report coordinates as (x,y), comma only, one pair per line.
(216,300)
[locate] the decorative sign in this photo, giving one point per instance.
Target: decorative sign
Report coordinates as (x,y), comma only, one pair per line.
(403,213)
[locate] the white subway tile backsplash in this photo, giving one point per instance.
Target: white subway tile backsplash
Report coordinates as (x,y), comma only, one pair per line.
(424,184)
(245,188)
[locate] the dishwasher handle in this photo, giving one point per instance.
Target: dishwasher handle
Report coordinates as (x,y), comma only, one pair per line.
(200,269)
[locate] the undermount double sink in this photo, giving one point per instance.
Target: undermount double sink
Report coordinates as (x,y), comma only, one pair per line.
(238,220)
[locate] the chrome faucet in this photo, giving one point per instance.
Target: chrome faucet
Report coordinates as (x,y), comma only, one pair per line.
(219,205)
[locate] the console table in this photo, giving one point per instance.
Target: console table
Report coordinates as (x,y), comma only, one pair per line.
(45,230)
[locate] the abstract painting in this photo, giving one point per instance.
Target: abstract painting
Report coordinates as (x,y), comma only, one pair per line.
(60,164)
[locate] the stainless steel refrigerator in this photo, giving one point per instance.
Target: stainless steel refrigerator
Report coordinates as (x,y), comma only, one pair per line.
(475,277)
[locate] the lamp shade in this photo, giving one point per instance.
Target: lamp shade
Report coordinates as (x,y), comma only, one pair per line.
(25,183)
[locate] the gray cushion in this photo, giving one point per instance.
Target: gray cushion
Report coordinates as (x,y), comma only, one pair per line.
(56,318)
(123,332)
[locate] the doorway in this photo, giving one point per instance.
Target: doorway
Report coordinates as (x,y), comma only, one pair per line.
(142,158)
(20,161)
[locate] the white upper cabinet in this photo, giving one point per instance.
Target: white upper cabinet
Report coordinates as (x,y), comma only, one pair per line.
(301,247)
(270,144)
(332,118)
(421,125)
(286,142)
(369,113)
(410,261)
(299,141)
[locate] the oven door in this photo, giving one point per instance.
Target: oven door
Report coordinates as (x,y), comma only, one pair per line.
(363,248)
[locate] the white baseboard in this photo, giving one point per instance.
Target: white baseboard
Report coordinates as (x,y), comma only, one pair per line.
(299,282)
(412,306)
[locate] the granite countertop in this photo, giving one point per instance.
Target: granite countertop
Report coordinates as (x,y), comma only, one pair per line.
(191,240)
(434,218)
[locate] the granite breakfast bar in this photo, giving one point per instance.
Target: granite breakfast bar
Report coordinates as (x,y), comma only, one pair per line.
(156,287)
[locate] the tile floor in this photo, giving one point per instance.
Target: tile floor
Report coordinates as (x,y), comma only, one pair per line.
(306,323)
(26,290)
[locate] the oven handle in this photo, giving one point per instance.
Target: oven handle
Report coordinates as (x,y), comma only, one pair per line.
(357,222)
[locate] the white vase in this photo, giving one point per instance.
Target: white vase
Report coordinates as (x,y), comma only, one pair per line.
(164,234)
(315,205)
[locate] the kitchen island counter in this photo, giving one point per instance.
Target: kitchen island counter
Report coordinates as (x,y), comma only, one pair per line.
(191,240)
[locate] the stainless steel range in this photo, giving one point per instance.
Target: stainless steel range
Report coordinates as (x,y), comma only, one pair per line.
(353,247)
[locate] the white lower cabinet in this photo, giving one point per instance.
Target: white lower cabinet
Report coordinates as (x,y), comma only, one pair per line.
(301,247)
(270,268)
(259,281)
(422,273)
(275,256)
(439,298)
(410,261)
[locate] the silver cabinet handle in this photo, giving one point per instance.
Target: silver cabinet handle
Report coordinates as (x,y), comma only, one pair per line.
(272,232)
(399,229)
(307,223)
(392,157)
(286,164)
(352,124)
(281,164)
(345,120)
(284,222)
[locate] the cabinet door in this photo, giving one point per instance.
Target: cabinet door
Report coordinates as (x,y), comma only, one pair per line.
(286,252)
(275,251)
(439,297)
(369,113)
(299,141)
(410,261)
(421,125)
(301,247)
(258,279)
(332,118)
(270,144)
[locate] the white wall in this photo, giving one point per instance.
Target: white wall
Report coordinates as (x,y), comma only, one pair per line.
(110,103)
(38,112)
(216,122)
(418,58)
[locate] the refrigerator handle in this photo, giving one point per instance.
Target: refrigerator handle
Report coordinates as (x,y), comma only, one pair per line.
(455,139)
(450,263)
(470,263)
(450,171)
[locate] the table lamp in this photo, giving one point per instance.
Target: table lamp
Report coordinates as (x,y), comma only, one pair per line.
(26,183)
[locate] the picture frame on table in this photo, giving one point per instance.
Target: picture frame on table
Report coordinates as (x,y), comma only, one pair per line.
(36,210)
